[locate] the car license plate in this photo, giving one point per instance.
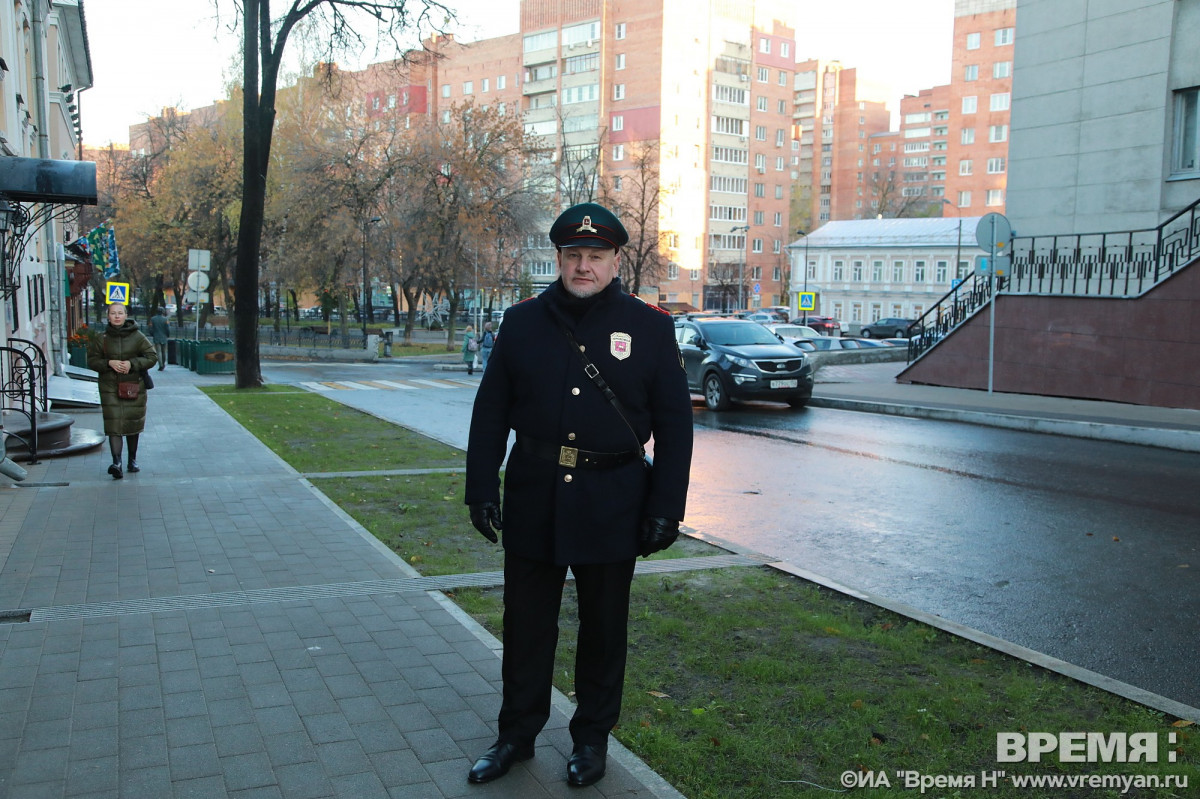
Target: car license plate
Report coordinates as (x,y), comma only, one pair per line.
(783,384)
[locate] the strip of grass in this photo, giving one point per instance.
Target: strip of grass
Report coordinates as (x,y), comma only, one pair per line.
(316,434)
(747,682)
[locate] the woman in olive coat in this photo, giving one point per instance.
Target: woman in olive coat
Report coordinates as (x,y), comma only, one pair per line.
(122,354)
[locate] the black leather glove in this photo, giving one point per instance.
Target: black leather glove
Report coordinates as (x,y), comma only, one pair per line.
(657,534)
(485,517)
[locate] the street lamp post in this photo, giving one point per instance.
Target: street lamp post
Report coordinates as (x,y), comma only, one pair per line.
(741,268)
(805,235)
(366,287)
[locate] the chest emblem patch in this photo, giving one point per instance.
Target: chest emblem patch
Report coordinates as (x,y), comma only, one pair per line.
(619,345)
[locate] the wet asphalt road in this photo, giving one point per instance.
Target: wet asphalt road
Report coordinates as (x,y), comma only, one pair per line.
(1083,550)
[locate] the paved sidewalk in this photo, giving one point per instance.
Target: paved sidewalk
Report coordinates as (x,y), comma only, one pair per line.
(213,627)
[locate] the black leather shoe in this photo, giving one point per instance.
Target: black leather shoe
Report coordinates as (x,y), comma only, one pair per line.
(133,468)
(586,765)
(115,471)
(496,761)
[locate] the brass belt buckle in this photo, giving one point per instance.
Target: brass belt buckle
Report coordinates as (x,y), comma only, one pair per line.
(568,456)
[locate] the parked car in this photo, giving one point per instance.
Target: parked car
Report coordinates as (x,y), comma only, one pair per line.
(825,325)
(821,343)
(790,332)
(762,318)
(729,360)
(892,327)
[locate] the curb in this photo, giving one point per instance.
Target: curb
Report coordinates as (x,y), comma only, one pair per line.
(1183,440)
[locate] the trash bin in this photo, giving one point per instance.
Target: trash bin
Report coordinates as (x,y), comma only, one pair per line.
(215,357)
(172,350)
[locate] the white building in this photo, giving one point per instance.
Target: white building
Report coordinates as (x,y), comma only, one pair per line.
(864,270)
(44,64)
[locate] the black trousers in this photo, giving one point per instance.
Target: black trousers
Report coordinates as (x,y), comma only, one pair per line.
(532,598)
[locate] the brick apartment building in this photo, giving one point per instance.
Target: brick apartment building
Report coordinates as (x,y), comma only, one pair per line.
(837,118)
(954,138)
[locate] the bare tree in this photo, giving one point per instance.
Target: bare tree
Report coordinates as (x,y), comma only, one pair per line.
(887,190)
(263,43)
(634,195)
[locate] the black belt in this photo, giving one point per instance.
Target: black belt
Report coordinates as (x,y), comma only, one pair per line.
(575,458)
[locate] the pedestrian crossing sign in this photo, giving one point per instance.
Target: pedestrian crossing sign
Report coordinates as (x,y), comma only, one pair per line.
(117,292)
(807,300)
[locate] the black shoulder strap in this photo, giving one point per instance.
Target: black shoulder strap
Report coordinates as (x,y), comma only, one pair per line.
(591,371)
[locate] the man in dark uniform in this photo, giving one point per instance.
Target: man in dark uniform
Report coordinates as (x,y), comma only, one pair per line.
(577,492)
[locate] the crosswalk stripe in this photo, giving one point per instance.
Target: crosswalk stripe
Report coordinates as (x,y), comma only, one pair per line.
(434,383)
(357,386)
(311,386)
(394,384)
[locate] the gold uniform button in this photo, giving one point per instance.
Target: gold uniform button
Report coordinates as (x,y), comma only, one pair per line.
(567,478)
(575,391)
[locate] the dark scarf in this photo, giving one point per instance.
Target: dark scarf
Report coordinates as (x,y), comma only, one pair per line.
(576,307)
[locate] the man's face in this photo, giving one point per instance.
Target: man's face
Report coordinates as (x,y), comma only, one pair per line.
(586,271)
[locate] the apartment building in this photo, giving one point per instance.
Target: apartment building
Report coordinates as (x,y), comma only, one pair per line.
(955,137)
(837,117)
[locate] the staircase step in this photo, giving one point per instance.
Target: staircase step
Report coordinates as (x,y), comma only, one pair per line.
(56,435)
(80,441)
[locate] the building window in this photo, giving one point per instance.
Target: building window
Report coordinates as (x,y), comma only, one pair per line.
(856,271)
(995,166)
(764,75)
(964,199)
(995,197)
(617,183)
(445,90)
(1004,36)
(972,41)
(778,192)
(761,103)
(998,133)
(839,270)
(897,271)
(501,82)
(785,49)
(968,135)
(468,87)
(971,72)
(782,81)
(965,167)
(1002,69)
(778,219)
(764,45)
(618,91)
(756,246)
(618,122)
(781,106)
(620,61)
(760,190)
(918,271)
(672,271)
(1185,151)
(758,218)
(776,248)
(618,152)
(445,117)
(970,105)
(941,270)
(999,102)
(619,31)
(760,132)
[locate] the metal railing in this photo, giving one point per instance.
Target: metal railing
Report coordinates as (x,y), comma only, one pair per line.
(310,337)
(1123,265)
(18,392)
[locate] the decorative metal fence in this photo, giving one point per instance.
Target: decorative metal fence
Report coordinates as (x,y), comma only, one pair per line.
(1124,264)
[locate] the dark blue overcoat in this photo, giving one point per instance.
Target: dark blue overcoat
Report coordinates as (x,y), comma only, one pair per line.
(534,384)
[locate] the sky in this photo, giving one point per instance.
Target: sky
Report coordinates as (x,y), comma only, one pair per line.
(149,54)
